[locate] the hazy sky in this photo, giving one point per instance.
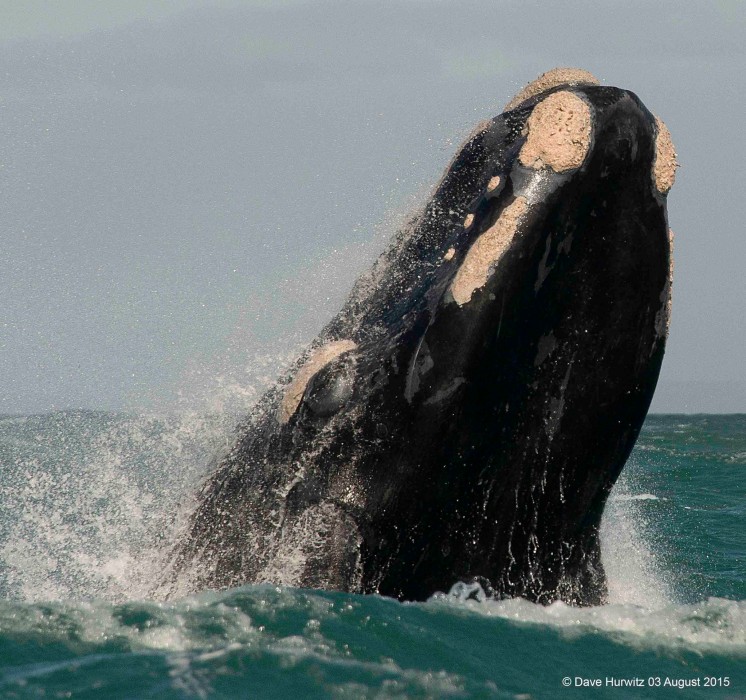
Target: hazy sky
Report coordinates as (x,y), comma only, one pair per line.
(190,187)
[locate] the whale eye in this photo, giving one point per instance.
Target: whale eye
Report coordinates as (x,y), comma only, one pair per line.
(330,388)
(318,359)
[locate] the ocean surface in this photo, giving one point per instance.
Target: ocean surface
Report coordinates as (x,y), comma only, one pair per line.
(90,502)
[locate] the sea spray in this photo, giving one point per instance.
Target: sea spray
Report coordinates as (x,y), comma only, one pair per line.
(91,499)
(633,570)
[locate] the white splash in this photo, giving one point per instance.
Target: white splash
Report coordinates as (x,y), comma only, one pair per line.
(633,570)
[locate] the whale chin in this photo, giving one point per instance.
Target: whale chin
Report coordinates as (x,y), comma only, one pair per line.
(467,412)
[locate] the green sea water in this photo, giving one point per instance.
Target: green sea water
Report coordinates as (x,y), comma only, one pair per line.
(89,503)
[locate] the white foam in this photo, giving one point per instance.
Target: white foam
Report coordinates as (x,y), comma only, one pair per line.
(714,624)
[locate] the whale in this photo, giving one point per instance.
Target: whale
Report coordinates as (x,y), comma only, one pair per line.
(467,412)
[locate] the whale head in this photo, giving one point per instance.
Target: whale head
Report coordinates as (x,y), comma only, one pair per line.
(468,411)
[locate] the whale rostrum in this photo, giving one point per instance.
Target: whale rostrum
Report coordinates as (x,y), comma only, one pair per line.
(467,412)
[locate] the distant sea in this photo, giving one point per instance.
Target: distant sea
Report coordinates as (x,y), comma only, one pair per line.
(90,502)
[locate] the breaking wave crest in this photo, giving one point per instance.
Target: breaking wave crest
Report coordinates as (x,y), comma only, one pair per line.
(322,644)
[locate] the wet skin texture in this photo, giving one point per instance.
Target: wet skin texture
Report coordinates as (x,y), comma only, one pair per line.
(465,440)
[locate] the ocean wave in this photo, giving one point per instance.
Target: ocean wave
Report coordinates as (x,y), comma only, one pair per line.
(714,625)
(322,644)
(289,620)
